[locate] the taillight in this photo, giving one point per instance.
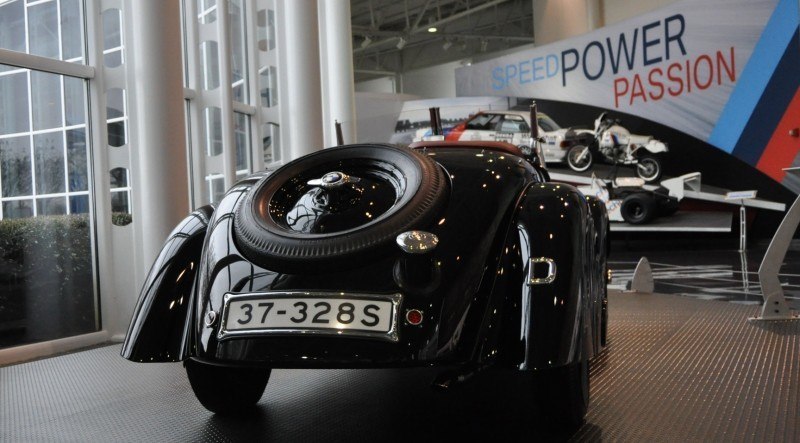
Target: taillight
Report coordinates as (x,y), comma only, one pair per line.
(414,317)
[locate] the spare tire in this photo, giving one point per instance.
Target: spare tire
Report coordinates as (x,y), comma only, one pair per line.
(287,224)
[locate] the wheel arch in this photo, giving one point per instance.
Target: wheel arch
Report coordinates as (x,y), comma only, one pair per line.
(161,322)
(556,223)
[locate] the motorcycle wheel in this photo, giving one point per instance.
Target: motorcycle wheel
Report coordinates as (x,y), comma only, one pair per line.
(648,168)
(579,158)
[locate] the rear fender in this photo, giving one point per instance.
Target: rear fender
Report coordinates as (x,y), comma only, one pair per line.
(159,329)
(554,223)
(601,248)
(652,146)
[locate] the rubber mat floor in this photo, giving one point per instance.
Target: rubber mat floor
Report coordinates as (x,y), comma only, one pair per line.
(676,369)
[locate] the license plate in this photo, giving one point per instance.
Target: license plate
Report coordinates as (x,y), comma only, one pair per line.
(366,315)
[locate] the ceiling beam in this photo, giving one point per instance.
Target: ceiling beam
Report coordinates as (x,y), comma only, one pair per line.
(457,16)
(421,14)
(375,72)
(417,29)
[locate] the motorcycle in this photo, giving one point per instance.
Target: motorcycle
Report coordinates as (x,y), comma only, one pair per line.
(614,144)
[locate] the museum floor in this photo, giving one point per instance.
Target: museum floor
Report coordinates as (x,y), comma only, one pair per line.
(683,366)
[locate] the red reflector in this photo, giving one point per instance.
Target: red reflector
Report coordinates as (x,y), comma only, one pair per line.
(565,144)
(414,316)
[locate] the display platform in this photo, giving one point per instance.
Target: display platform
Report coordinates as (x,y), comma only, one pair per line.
(676,369)
(682,221)
(705,193)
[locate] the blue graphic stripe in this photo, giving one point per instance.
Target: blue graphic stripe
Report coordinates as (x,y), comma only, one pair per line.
(755,76)
(772,105)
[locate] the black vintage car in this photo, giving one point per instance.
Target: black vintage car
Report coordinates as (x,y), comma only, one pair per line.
(459,255)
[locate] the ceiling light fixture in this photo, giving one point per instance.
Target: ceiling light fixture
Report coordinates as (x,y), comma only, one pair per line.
(401,43)
(367,41)
(433,29)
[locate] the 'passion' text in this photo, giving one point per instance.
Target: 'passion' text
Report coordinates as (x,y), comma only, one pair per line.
(676,79)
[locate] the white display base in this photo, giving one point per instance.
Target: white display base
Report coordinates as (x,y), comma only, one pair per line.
(699,221)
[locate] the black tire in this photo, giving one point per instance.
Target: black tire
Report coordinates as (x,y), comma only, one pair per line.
(578,160)
(563,394)
(648,168)
(226,390)
(638,208)
(266,243)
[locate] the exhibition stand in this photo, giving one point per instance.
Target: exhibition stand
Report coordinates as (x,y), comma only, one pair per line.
(687,186)
(775,306)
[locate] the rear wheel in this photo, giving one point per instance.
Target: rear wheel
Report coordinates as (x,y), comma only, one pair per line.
(564,393)
(648,168)
(579,158)
(226,390)
(638,208)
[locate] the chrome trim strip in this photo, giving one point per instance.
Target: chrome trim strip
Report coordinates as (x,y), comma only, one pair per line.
(551,271)
(391,335)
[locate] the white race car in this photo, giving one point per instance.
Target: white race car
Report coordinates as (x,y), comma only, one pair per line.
(514,127)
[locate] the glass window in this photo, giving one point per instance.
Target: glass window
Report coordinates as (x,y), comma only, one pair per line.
(266,30)
(216,187)
(206,11)
(45,100)
(74,101)
(33,27)
(270,144)
(483,122)
(15,166)
(77,160)
(119,202)
(210,65)
(49,162)
(120,197)
(12,26)
(79,204)
(514,124)
(212,121)
(116,133)
(71,30)
(119,178)
(43,38)
(14,102)
(547,124)
(113,59)
(17,209)
(238,38)
(112,23)
(44,173)
(269,87)
(115,103)
(51,206)
(241,130)
(116,114)
(112,38)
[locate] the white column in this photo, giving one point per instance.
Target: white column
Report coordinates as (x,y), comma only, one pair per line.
(161,177)
(226,94)
(338,91)
(302,103)
(594,14)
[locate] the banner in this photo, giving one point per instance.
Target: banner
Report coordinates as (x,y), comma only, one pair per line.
(677,66)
